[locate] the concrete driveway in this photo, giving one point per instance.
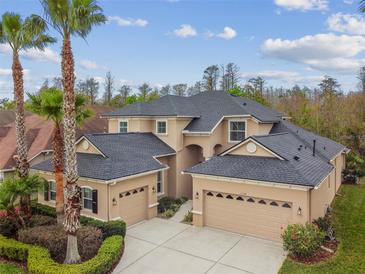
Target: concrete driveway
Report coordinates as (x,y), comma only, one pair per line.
(161,246)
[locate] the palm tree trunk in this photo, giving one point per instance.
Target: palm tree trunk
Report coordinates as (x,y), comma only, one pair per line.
(72,209)
(22,159)
(58,155)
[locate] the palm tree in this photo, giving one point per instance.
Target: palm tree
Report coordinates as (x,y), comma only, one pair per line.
(71,18)
(22,35)
(49,104)
(13,189)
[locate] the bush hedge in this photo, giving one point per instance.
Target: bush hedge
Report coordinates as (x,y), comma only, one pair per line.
(54,239)
(302,240)
(41,220)
(39,261)
(107,228)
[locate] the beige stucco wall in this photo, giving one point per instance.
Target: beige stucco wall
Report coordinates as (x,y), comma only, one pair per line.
(260,151)
(107,193)
(322,197)
(298,198)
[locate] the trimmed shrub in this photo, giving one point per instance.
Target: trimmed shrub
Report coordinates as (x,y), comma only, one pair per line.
(54,239)
(168,213)
(107,228)
(169,206)
(325,225)
(41,220)
(302,240)
(39,261)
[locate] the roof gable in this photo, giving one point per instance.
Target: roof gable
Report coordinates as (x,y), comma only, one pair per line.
(251,147)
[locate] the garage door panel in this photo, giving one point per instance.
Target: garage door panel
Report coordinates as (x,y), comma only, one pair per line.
(252,218)
(133,205)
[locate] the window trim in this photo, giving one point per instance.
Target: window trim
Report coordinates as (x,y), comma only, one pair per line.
(123,120)
(49,190)
(91,199)
(229,130)
(161,182)
(161,120)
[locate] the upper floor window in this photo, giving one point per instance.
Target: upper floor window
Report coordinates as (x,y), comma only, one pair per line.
(160,182)
(161,127)
(87,198)
(2,177)
(123,126)
(237,131)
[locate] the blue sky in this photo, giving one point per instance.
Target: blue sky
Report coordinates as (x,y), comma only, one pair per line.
(169,41)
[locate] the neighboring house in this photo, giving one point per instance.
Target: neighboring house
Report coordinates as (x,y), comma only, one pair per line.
(39,136)
(247,169)
(8,116)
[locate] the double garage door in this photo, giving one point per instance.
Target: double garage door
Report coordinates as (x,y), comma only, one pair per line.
(254,216)
(133,205)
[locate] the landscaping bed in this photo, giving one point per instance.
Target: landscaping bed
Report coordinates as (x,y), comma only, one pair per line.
(319,255)
(348,218)
(41,246)
(167,206)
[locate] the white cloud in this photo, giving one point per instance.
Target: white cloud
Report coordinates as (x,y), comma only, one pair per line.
(348,2)
(286,77)
(129,22)
(5,72)
(46,55)
(348,23)
(302,5)
(228,33)
(88,64)
(185,31)
(321,51)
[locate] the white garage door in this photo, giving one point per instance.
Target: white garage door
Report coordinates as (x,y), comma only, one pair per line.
(133,205)
(247,215)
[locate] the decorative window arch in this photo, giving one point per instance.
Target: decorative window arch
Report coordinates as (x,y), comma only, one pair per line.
(250,200)
(135,191)
(219,195)
(262,202)
(273,203)
(128,194)
(239,198)
(286,205)
(229,197)
(210,194)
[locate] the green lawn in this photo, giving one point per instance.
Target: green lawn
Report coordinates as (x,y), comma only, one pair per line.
(349,219)
(10,269)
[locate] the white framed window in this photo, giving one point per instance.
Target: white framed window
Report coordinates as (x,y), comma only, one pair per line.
(236,130)
(2,177)
(87,198)
(161,127)
(123,126)
(160,183)
(52,190)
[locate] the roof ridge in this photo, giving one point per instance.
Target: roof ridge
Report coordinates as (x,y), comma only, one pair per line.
(270,134)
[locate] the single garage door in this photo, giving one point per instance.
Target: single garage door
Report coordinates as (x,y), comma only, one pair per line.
(133,205)
(254,216)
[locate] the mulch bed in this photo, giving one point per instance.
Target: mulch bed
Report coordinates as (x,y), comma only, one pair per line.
(320,255)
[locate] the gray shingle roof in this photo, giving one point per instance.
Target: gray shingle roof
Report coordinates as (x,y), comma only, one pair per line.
(169,105)
(207,108)
(324,146)
(126,154)
(299,166)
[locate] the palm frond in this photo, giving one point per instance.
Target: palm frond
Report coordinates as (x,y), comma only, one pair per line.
(11,28)
(33,31)
(362,6)
(82,112)
(2,34)
(57,13)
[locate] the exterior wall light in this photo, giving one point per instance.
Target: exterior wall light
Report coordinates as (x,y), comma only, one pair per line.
(299,212)
(196,195)
(114,201)
(153,189)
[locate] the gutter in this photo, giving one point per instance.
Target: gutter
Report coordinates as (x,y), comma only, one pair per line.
(248,181)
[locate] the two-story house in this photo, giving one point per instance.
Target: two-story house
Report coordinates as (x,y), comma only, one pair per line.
(245,167)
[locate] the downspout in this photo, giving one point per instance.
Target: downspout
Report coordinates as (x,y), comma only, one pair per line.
(310,204)
(108,208)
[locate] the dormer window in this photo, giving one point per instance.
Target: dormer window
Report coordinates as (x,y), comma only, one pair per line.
(237,131)
(161,127)
(123,126)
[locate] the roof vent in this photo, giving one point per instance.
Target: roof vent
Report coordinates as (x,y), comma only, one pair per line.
(296,158)
(245,104)
(314,147)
